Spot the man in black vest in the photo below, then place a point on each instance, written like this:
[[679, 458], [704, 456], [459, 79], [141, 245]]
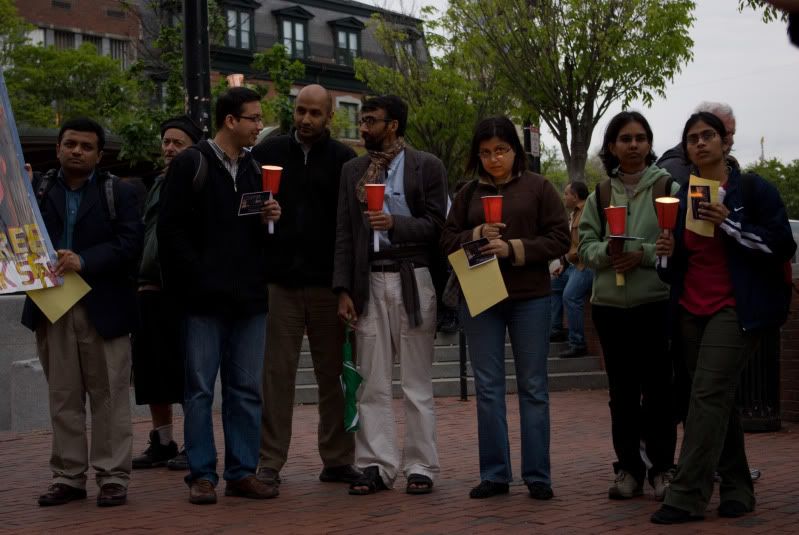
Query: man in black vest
[[300, 267], [87, 351]]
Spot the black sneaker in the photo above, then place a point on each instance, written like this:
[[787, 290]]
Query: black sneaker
[[540, 491], [486, 489], [179, 461], [673, 515], [156, 454], [559, 336], [732, 509]]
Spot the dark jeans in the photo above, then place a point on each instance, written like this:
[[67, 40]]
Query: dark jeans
[[716, 351], [635, 345]]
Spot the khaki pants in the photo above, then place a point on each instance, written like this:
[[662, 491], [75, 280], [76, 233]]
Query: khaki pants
[[383, 334], [76, 361], [292, 312]]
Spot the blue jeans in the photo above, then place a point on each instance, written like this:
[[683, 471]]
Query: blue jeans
[[527, 322], [236, 347], [558, 284], [577, 287]]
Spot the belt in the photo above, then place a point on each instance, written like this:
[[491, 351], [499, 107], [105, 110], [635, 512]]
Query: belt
[[385, 268]]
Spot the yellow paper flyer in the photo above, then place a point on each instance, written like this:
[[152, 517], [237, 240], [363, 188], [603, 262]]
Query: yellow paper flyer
[[482, 286], [55, 302], [700, 190]]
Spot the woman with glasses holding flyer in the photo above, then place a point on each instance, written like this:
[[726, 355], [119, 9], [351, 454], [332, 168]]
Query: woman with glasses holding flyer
[[525, 228], [726, 269], [629, 304]]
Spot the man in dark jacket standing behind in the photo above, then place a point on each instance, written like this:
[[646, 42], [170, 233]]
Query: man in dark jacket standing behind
[[214, 261], [93, 220], [300, 268]]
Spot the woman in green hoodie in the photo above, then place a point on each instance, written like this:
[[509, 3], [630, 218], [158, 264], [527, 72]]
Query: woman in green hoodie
[[631, 315]]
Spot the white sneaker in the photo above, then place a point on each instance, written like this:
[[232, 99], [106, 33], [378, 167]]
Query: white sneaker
[[624, 487], [660, 482]]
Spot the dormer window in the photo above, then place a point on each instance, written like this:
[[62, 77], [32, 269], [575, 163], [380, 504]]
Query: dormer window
[[347, 39], [292, 23]]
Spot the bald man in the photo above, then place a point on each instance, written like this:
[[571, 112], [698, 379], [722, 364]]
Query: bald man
[[300, 275]]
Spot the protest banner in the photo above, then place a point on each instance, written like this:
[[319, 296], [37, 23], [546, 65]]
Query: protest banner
[[26, 252]]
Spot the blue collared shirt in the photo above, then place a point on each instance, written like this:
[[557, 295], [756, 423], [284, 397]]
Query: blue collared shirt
[[73, 200], [395, 202]]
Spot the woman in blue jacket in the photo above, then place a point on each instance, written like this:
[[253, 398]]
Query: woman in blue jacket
[[727, 289]]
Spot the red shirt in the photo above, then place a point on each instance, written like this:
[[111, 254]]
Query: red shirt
[[707, 287]]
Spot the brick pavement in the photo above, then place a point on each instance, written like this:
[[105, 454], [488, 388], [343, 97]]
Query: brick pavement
[[581, 472]]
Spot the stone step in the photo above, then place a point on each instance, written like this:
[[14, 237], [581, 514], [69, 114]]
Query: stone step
[[446, 369], [449, 353], [449, 387]]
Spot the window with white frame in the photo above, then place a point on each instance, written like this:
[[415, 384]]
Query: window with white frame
[[350, 111]]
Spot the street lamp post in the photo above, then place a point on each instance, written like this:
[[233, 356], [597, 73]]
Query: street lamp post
[[197, 62]]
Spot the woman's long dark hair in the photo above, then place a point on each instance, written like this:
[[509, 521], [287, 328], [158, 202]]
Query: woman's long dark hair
[[502, 128], [706, 117], [622, 119]]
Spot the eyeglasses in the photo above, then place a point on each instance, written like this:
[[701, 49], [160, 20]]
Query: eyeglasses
[[370, 121], [705, 135], [254, 118], [499, 151]]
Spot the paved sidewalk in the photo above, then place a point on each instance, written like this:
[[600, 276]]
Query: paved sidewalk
[[581, 461]]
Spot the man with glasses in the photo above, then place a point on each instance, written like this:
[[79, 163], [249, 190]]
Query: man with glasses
[[300, 273], [214, 260], [389, 296]]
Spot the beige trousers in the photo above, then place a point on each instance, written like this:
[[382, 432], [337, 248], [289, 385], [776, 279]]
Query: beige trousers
[[78, 361], [293, 311], [384, 336]]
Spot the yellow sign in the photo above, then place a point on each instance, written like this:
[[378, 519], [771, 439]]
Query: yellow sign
[[55, 302], [700, 190], [482, 286]]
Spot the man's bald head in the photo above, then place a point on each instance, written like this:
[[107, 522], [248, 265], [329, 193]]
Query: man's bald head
[[313, 111]]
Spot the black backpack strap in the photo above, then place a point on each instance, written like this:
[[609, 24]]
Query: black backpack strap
[[46, 182], [201, 174], [602, 194]]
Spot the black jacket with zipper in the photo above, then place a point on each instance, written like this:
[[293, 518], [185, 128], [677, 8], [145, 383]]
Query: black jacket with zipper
[[211, 258], [302, 248]]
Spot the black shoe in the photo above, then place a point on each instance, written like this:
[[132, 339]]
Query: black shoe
[[486, 489], [156, 454], [574, 352], [732, 509], [559, 336], [112, 494], [59, 494], [540, 491], [179, 461], [340, 474], [673, 515]]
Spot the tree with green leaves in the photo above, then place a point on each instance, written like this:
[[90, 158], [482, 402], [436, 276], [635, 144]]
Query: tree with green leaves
[[13, 29], [570, 60], [283, 71], [770, 12], [786, 179], [446, 96]]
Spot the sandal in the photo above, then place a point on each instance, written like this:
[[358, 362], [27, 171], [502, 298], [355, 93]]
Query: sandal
[[370, 479], [424, 484]]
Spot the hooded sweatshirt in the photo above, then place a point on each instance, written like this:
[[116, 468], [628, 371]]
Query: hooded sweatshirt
[[642, 284]]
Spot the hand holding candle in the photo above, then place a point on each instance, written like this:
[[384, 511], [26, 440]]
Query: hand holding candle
[[667, 208], [616, 217], [270, 181], [375, 195]]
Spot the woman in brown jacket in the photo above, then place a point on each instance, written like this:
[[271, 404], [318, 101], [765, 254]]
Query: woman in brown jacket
[[533, 231]]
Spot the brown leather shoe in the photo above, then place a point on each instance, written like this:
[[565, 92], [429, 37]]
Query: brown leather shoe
[[251, 487], [202, 492], [112, 494], [59, 494]]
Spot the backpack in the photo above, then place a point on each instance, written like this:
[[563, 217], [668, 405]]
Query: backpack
[[661, 188], [49, 178], [201, 174]]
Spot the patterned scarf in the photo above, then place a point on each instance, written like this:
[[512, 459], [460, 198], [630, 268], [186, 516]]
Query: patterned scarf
[[380, 161]]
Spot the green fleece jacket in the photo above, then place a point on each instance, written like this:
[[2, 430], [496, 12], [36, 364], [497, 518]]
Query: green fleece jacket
[[642, 284]]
